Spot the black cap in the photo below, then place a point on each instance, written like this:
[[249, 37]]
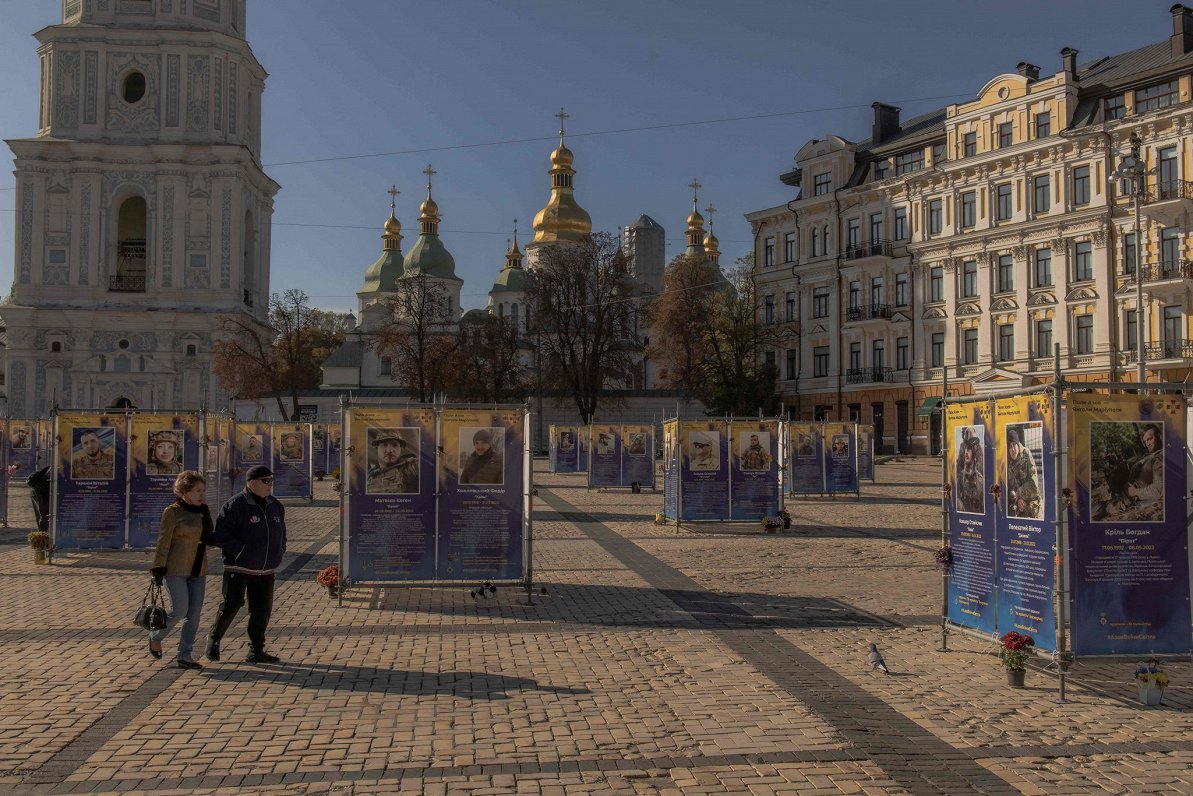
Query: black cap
[[259, 471]]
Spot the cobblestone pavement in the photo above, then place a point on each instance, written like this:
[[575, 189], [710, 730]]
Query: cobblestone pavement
[[662, 660]]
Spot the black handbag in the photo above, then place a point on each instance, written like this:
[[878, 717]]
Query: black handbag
[[152, 613]]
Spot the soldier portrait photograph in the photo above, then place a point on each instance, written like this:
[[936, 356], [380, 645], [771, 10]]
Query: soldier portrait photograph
[[251, 449], [290, 447], [567, 440], [93, 454], [754, 450], [317, 435], [703, 447], [333, 436], [840, 446], [21, 438], [804, 449], [969, 479], [636, 443], [604, 445], [163, 452], [1126, 480], [393, 462], [1025, 456], [482, 455]]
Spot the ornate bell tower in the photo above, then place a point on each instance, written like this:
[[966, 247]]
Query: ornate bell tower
[[142, 212]]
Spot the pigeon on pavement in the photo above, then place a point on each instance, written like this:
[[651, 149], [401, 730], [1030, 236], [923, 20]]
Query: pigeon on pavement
[[876, 661]]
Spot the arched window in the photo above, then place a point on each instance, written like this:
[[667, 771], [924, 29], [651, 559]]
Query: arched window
[[514, 314], [190, 350], [129, 276], [386, 366], [55, 347]]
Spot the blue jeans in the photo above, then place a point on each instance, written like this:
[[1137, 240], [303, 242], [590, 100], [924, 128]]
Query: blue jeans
[[186, 601]]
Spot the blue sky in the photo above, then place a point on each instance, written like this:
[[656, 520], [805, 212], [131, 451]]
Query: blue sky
[[359, 77]]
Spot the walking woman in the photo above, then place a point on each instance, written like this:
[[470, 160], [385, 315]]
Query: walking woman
[[180, 561]]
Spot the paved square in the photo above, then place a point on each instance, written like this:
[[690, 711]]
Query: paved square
[[663, 660]]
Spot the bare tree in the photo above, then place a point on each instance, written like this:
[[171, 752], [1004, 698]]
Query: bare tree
[[416, 336], [253, 360], [739, 383], [682, 319], [583, 319], [492, 370]]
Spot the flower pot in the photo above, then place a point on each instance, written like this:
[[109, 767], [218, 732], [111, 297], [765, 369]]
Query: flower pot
[[1150, 694], [1015, 677], [41, 555], [333, 590], [786, 523]]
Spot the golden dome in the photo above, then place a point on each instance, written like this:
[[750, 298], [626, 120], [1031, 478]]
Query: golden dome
[[710, 242], [561, 157], [428, 208], [392, 225], [562, 219], [695, 219]]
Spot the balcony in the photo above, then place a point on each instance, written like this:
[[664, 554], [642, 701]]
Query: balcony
[[867, 375], [1177, 348], [874, 248], [867, 312], [1167, 191], [1161, 272], [127, 283]]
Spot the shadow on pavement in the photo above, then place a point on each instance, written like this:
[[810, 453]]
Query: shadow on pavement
[[370, 679]]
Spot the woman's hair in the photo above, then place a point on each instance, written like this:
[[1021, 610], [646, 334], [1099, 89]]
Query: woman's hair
[[187, 480]]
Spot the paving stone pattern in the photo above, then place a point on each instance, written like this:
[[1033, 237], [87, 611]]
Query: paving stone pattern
[[708, 658]]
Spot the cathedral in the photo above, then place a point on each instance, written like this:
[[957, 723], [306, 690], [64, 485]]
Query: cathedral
[[356, 366], [142, 211]]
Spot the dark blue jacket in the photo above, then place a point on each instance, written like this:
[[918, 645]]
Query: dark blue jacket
[[252, 536]]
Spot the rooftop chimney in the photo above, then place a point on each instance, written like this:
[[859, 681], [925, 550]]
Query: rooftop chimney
[[1068, 60], [886, 122], [1182, 30], [1030, 71]]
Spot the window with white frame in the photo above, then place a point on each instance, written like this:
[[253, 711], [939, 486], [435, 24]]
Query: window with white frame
[[822, 183]]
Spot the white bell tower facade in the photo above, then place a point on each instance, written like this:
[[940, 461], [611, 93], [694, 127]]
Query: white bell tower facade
[[142, 212]]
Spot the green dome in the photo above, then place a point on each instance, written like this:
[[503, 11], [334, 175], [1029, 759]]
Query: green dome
[[381, 275], [511, 280], [429, 256]]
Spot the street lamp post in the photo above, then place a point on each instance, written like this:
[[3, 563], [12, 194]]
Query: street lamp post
[[1133, 171]]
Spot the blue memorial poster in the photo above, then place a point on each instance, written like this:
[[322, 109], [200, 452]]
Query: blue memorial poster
[[319, 463], [865, 452], [92, 479], [291, 460], [1129, 558], [807, 458], [1026, 537], [670, 468], [22, 442], [390, 494], [755, 469], [704, 470], [481, 507], [335, 433], [969, 462], [252, 445], [584, 449], [606, 456], [5, 476], [567, 449], [840, 458], [637, 456], [162, 447], [223, 431]]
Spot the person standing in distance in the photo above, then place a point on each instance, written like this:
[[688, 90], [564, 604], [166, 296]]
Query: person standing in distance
[[251, 530]]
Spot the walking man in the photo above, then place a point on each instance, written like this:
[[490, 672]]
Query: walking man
[[251, 531]]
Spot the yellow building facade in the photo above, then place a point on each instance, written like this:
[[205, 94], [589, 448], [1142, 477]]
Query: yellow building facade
[[972, 241]]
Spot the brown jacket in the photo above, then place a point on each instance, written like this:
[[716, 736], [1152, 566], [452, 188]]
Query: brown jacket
[[178, 541]]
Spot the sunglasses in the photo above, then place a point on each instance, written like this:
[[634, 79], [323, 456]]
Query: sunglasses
[[264, 480]]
